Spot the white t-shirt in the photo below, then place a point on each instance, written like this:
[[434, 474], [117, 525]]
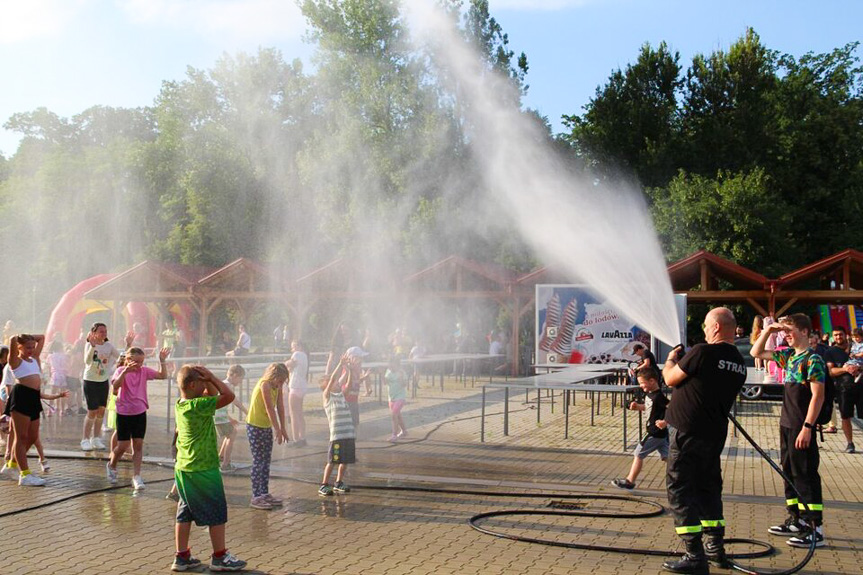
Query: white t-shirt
[[99, 361], [245, 340], [300, 372]]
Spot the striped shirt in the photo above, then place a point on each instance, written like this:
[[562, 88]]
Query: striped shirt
[[339, 416]]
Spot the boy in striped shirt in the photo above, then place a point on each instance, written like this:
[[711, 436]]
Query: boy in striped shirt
[[342, 451]]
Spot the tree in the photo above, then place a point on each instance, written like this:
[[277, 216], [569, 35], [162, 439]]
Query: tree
[[733, 215], [632, 120]]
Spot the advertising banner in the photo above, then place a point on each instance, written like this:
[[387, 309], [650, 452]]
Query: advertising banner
[[573, 326]]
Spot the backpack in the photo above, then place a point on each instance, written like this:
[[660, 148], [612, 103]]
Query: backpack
[[826, 413]]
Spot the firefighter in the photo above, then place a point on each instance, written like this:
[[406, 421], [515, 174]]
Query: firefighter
[[706, 382]]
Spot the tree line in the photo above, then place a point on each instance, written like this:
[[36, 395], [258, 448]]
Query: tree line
[[747, 153]]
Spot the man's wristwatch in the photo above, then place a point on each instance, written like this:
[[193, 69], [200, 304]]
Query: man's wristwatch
[[808, 425]]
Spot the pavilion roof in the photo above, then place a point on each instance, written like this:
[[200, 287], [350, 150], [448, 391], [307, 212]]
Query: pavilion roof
[[458, 274], [702, 269], [845, 268], [149, 281]]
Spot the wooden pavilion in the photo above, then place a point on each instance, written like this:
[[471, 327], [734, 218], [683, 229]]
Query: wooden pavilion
[[243, 284]]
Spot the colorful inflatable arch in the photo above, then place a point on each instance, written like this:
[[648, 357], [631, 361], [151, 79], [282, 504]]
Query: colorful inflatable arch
[[68, 315]]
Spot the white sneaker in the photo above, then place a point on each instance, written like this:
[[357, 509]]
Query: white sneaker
[[97, 443], [31, 480], [86, 445], [43, 463], [110, 474], [137, 482], [9, 473]]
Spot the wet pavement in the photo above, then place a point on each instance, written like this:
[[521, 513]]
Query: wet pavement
[[79, 524]]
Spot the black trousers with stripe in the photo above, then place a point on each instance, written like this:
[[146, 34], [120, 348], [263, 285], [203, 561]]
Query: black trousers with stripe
[[693, 480], [801, 466]]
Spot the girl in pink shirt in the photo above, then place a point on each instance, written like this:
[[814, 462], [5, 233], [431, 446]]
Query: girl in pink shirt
[[130, 386]]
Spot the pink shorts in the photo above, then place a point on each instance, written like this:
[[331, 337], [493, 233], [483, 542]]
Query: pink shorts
[[397, 405]]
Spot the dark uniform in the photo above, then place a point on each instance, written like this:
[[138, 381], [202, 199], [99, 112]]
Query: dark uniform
[[698, 425]]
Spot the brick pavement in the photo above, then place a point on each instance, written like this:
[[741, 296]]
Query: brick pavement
[[394, 532]]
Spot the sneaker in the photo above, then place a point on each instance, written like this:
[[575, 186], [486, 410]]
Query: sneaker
[[274, 501], [9, 473], [173, 496], [110, 474], [137, 482], [402, 434], [393, 438], [86, 445], [792, 526], [182, 564], [226, 562], [325, 491], [850, 448], [229, 468], [261, 502], [341, 487], [43, 463], [98, 444], [623, 484], [805, 540], [31, 480]]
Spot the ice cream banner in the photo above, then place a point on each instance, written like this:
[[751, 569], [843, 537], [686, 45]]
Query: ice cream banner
[[573, 326]]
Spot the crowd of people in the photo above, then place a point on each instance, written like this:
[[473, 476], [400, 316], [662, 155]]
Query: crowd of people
[[689, 430], [112, 384]]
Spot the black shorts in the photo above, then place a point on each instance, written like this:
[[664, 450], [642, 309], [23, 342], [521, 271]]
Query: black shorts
[[850, 396], [131, 426], [96, 394], [342, 451], [26, 401]]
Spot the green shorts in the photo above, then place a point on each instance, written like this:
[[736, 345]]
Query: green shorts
[[202, 497]]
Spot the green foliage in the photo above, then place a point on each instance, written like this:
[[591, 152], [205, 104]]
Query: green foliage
[[632, 120], [744, 144]]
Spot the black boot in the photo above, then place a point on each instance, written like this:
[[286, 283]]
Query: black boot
[[714, 548], [694, 562]]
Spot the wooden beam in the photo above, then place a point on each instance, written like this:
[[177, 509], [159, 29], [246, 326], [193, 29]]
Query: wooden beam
[[787, 305], [846, 275], [757, 307], [705, 275]]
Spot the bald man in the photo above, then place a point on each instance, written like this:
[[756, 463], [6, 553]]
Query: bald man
[[706, 382]]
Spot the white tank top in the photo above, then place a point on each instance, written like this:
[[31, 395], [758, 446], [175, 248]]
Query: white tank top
[[27, 367]]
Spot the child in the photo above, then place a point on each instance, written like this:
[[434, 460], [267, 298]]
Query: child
[[202, 493], [352, 375], [656, 439], [856, 354], [342, 451], [226, 426], [803, 395], [73, 380], [130, 386], [299, 367], [99, 358], [58, 361], [25, 402], [396, 379], [266, 415]]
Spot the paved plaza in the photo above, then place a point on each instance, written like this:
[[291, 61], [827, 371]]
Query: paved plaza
[[78, 524]]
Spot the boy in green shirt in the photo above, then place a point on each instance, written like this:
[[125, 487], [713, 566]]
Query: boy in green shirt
[[199, 481]]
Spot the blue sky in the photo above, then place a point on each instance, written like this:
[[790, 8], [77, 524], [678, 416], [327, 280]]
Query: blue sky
[[68, 55]]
